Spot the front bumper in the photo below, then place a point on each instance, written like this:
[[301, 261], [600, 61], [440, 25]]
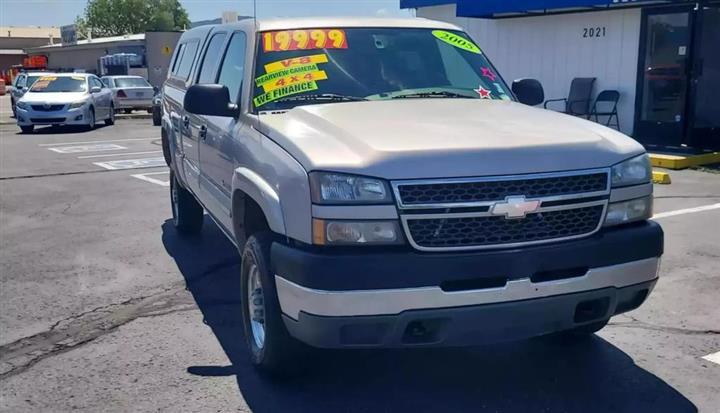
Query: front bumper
[[27, 117], [339, 300]]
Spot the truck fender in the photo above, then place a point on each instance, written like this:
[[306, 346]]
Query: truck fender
[[254, 186]]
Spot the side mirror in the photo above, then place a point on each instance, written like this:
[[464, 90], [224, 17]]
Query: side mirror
[[529, 91], [95, 89], [211, 100]]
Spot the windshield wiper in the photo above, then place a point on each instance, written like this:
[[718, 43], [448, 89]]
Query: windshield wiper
[[321, 97], [432, 94]]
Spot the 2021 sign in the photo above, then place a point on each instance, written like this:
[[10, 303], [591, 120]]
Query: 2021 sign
[[598, 31]]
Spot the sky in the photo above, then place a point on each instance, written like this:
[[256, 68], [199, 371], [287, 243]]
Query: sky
[[61, 12]]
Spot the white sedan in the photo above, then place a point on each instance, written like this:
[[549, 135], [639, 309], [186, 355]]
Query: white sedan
[[65, 99]]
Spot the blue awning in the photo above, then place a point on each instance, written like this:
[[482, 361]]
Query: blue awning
[[501, 8]]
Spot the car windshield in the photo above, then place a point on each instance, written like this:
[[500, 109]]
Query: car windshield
[[312, 66], [131, 82], [59, 84]]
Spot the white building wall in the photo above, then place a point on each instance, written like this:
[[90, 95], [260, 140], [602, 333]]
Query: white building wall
[[553, 50]]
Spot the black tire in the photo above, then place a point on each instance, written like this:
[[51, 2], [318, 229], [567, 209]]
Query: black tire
[[27, 129], [111, 120], [278, 355], [92, 119], [187, 212], [156, 116], [128, 111]]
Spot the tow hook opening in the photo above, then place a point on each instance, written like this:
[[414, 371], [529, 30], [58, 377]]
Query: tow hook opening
[[592, 310], [423, 331]]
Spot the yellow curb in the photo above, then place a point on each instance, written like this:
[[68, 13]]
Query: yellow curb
[[661, 178], [682, 162]]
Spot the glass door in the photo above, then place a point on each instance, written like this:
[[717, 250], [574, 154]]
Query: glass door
[[705, 92], [663, 77]]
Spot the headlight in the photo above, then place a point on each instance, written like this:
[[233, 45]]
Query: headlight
[[21, 105], [334, 188], [632, 172], [629, 211], [356, 232], [76, 105]]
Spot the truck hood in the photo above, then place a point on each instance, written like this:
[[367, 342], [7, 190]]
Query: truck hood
[[53, 97], [441, 138]]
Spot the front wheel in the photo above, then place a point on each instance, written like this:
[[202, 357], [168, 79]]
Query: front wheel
[[27, 129], [187, 212], [111, 117], [91, 119], [272, 350]]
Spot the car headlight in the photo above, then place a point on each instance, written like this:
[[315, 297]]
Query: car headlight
[[21, 105], [634, 171], [76, 105], [629, 211], [330, 232], [335, 188]]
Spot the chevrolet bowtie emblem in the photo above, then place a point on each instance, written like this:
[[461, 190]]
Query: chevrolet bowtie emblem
[[514, 207]]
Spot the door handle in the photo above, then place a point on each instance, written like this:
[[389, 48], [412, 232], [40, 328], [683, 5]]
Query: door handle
[[203, 132]]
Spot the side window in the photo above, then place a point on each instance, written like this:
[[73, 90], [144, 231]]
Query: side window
[[233, 66], [212, 54], [186, 60], [95, 82], [107, 82], [178, 56], [20, 81]]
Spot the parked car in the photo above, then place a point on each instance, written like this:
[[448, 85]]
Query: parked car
[[65, 99], [22, 83], [130, 92], [385, 188]]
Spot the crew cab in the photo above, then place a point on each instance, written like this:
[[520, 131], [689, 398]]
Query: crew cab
[[386, 188]]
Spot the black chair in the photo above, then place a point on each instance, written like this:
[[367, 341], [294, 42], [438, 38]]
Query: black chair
[[608, 100], [578, 101]]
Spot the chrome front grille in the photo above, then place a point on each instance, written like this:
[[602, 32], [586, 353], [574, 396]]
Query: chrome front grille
[[465, 214]]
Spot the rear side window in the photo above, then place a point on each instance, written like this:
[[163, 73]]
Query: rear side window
[[178, 56], [233, 66], [212, 55], [186, 60]]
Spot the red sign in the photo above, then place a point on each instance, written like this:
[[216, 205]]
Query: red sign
[[306, 39]]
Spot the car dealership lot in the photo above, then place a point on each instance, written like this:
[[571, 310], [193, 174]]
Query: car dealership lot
[[104, 307]]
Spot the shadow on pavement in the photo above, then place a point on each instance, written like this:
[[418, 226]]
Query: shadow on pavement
[[542, 374], [61, 129]]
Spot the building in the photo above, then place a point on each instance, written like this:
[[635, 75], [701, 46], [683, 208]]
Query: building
[[153, 49], [14, 41], [662, 56]]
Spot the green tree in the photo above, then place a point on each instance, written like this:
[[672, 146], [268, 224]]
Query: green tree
[[119, 17]]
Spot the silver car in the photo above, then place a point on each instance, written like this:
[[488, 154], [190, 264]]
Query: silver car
[[22, 83], [130, 92], [65, 99]]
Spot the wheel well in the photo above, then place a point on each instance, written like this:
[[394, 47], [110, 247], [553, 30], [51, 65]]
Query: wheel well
[[248, 217]]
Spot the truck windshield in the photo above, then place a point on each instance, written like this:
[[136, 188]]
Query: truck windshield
[[59, 84], [309, 66]]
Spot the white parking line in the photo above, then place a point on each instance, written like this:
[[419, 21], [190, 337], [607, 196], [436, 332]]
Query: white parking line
[[132, 163], [714, 357], [87, 148], [115, 154], [146, 178], [108, 140], [686, 211]]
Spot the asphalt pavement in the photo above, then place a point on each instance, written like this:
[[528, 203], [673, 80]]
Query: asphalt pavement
[[103, 307]]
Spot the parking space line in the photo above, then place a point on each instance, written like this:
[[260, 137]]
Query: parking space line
[[686, 211], [132, 163], [116, 154], [146, 178], [103, 141], [88, 148], [714, 357]]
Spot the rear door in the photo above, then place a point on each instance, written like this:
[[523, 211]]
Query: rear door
[[102, 99], [185, 125]]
